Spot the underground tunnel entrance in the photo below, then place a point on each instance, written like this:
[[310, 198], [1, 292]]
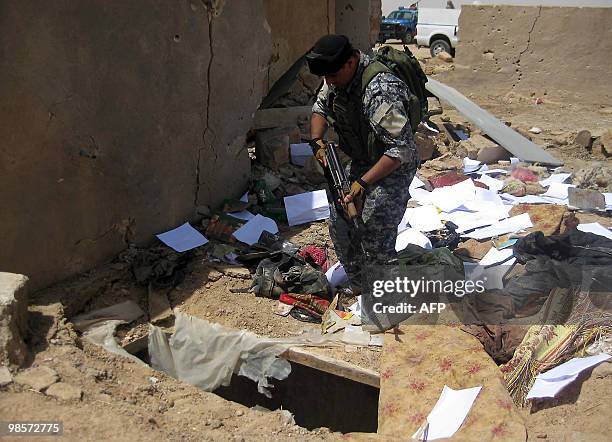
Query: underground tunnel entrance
[[314, 397]]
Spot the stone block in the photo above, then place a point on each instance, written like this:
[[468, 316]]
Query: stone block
[[65, 392], [13, 318], [5, 376], [606, 141], [583, 139], [37, 378]]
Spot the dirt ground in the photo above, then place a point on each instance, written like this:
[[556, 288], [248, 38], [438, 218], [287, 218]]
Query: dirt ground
[[125, 400]]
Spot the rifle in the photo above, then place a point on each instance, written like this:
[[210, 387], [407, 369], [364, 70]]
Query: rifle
[[340, 187]]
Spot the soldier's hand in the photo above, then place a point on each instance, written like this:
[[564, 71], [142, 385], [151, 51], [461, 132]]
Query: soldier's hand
[[318, 148], [357, 193]]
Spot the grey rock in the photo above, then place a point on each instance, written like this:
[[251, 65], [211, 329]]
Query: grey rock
[[5, 376], [64, 391], [583, 139], [37, 378], [13, 318]]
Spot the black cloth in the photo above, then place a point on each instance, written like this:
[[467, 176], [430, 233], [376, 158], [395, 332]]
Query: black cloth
[[573, 260]]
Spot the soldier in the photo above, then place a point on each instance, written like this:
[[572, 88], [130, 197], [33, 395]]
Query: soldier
[[375, 132]]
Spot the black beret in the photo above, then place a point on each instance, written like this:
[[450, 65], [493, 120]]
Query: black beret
[[329, 54]]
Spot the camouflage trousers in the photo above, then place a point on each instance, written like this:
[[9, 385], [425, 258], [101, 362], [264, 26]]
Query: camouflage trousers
[[383, 209]]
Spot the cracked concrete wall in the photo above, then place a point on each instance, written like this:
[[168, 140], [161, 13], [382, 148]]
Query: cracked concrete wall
[[295, 26], [117, 118], [559, 52], [360, 21]]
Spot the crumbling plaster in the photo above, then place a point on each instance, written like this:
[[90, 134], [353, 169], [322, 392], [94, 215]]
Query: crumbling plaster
[[559, 52]]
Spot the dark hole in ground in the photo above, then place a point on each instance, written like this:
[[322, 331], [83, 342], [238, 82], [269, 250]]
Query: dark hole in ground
[[314, 397]]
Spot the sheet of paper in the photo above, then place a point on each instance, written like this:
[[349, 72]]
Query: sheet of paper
[[356, 307], [471, 165], [595, 228], [558, 191], [488, 196], [550, 383], [508, 225], [415, 184], [183, 238], [452, 197], [423, 218], [495, 256], [252, 230], [450, 411], [336, 275], [608, 198], [421, 196], [555, 178], [471, 220], [299, 153], [529, 199], [514, 162], [411, 236], [491, 172], [306, 207], [493, 183], [243, 214], [245, 198]]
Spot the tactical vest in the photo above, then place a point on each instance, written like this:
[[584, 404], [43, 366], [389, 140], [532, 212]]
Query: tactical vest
[[348, 118]]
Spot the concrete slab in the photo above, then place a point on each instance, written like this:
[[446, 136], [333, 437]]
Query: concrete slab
[[511, 140]]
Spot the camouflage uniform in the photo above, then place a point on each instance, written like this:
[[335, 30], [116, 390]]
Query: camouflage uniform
[[385, 201]]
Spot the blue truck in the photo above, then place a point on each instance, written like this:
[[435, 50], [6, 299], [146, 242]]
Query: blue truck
[[400, 25]]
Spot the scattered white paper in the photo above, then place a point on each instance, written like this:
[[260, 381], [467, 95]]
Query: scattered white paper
[[356, 307], [449, 412], [495, 256], [468, 220], [449, 198], [595, 228], [183, 238], [489, 196], [494, 184], [245, 198], [608, 198], [411, 236], [252, 230], [555, 178], [306, 207], [424, 218], [558, 190], [470, 165], [243, 214], [509, 225], [514, 161], [300, 153], [491, 171], [415, 184], [336, 275], [550, 383]]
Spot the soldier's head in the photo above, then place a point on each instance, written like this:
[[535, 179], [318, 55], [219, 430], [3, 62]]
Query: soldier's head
[[334, 58]]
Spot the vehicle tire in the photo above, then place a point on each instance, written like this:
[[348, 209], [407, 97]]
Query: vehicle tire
[[407, 38], [438, 46]]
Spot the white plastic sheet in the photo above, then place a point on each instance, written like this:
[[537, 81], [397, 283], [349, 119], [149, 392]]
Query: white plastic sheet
[[207, 355]]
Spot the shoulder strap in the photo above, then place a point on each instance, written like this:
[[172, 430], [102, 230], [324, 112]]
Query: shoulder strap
[[371, 71]]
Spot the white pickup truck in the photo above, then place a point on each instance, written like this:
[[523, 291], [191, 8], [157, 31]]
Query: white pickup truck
[[437, 29]]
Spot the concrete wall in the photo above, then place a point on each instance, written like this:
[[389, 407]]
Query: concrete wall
[[563, 52], [355, 16], [117, 118]]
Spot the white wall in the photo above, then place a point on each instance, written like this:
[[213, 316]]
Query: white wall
[[390, 5]]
